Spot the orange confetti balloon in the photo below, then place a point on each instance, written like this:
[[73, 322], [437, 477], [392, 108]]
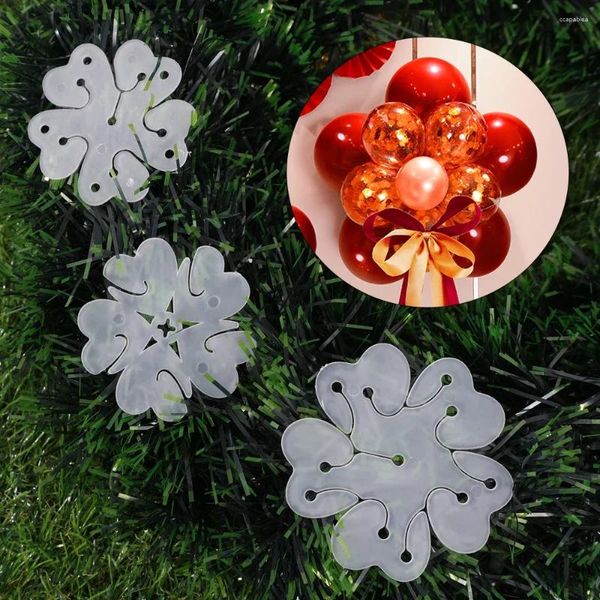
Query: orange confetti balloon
[[455, 134], [393, 134], [480, 185], [368, 189]]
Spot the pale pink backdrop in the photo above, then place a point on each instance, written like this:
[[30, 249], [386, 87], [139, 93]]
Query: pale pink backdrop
[[533, 212]]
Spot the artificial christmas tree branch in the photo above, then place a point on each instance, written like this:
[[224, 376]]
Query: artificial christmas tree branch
[[197, 507]]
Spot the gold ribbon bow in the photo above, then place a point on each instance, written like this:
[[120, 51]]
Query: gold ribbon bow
[[424, 251]]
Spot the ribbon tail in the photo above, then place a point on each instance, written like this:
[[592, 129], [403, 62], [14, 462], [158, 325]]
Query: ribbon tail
[[437, 285], [402, 299], [415, 279], [449, 291]]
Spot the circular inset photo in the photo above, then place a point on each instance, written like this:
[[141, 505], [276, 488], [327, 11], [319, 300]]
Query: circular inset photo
[[427, 172]]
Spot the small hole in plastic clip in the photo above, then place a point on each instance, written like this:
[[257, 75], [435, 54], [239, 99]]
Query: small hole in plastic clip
[[490, 483], [169, 153], [462, 497], [336, 386], [406, 556], [95, 187], [202, 367], [62, 141], [87, 60], [398, 459], [383, 533], [45, 129], [112, 120], [451, 411], [213, 302], [161, 132], [325, 467], [81, 82], [164, 74], [446, 379], [368, 392], [310, 495], [119, 318], [141, 76]]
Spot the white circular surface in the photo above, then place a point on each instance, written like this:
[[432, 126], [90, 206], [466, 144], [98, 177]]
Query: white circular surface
[[533, 212]]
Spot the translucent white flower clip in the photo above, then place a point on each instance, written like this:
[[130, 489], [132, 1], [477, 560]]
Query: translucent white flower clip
[[397, 461], [112, 123], [167, 328]]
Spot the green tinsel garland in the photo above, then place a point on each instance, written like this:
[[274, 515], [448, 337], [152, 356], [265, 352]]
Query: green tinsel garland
[[201, 502]]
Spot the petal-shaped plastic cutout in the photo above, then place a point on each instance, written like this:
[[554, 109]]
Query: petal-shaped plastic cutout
[[156, 380], [211, 353], [147, 280], [70, 86], [496, 478], [328, 447], [324, 442], [474, 420], [433, 378], [356, 543], [173, 119], [478, 421], [362, 539], [95, 184], [62, 150], [133, 62], [379, 379], [104, 122], [205, 288], [131, 175], [461, 518], [114, 332]]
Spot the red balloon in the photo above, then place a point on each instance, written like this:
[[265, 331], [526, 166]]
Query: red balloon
[[306, 227], [510, 152], [424, 82], [489, 242], [339, 148], [356, 250]]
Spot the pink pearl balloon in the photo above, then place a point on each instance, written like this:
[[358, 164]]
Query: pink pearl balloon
[[422, 183]]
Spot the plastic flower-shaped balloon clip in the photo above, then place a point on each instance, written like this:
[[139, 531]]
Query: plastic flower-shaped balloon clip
[[167, 328], [397, 461], [426, 145], [112, 123]]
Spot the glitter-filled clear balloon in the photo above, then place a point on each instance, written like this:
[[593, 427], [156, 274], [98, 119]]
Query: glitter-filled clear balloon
[[455, 134], [393, 134], [479, 184], [368, 189]]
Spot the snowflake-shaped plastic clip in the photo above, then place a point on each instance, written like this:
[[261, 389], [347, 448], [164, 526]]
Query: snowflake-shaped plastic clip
[[112, 122], [398, 460], [167, 328]]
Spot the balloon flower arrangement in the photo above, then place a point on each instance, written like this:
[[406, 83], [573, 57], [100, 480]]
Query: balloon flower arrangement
[[420, 179]]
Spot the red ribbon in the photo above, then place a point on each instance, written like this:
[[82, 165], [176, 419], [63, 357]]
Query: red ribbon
[[400, 219]]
